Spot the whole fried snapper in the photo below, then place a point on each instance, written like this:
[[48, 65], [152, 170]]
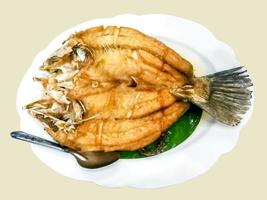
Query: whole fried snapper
[[116, 88]]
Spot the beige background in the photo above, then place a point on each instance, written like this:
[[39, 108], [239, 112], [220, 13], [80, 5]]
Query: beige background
[[28, 26]]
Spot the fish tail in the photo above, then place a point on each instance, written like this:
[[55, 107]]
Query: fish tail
[[224, 95]]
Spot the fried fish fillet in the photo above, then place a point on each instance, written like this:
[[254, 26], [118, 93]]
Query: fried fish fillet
[[121, 134], [108, 89]]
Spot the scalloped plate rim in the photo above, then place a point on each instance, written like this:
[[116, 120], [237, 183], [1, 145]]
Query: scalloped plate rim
[[176, 152]]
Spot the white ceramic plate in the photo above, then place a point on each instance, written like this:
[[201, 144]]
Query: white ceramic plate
[[190, 159]]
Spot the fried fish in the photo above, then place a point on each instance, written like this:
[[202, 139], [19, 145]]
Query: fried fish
[[115, 88]]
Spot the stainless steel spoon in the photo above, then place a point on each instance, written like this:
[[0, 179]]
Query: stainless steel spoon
[[92, 159]]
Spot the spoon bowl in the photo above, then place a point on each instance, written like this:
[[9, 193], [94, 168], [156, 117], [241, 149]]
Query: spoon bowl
[[95, 159]]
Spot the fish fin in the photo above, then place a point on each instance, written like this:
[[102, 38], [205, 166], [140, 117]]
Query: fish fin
[[224, 95]]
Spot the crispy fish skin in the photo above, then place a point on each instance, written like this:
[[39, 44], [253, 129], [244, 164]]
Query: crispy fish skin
[[129, 134], [108, 89], [128, 103], [112, 66], [128, 38]]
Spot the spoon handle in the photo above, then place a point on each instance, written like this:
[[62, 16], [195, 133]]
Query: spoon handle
[[20, 135]]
